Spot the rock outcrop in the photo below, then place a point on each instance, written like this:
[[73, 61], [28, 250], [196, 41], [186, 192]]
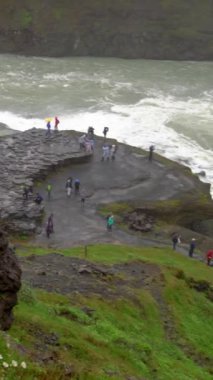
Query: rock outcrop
[[5, 130], [139, 221], [24, 158], [153, 29], [10, 282]]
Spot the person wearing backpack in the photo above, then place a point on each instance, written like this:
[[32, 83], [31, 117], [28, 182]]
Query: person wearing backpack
[[110, 222], [38, 199], [175, 241], [77, 186]]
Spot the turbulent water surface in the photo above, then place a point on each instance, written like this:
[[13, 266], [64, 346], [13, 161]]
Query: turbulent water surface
[[168, 104]]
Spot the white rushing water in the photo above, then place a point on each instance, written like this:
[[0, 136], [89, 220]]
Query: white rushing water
[[168, 104]]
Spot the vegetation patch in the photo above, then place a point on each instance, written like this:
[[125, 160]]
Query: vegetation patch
[[153, 324], [188, 212], [25, 18]]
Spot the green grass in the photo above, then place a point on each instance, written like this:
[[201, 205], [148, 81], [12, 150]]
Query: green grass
[[120, 338], [111, 254]]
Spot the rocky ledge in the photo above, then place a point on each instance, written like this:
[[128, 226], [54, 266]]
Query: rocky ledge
[[10, 282], [24, 158]]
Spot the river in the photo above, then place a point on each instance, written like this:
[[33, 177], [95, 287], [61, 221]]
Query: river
[[164, 103]]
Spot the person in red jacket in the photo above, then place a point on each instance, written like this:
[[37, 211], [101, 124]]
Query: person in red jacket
[[56, 124], [209, 256]]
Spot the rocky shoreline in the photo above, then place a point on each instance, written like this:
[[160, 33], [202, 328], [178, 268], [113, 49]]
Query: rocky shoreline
[[24, 158]]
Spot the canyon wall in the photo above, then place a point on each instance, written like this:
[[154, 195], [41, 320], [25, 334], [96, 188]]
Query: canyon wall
[[151, 29]]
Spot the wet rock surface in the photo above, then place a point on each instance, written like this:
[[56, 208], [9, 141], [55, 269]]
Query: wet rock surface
[[24, 158], [10, 282], [130, 177], [28, 158]]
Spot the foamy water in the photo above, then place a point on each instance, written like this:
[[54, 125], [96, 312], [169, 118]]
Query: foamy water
[[167, 104]]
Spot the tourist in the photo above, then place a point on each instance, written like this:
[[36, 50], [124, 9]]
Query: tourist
[[49, 191], [48, 133], [69, 186], [90, 132], [56, 124], [209, 257], [105, 152], [105, 131], [92, 143], [82, 140], [38, 199], [151, 150], [49, 226], [77, 186], [192, 247], [113, 150], [69, 180], [82, 201], [175, 240], [25, 193], [88, 146], [110, 222]]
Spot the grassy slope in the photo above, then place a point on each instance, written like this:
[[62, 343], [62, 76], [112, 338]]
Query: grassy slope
[[121, 338]]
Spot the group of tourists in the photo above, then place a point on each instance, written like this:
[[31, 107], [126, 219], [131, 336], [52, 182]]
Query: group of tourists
[[28, 193], [108, 152], [49, 126], [70, 184], [176, 239], [87, 144]]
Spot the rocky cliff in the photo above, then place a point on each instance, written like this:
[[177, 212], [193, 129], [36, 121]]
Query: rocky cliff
[[25, 158], [10, 282], [153, 29]]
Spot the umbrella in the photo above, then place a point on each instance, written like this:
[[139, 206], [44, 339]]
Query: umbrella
[[48, 119]]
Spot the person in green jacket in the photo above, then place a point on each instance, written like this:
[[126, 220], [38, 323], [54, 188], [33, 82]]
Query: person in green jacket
[[110, 222]]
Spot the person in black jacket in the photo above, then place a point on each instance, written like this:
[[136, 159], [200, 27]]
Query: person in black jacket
[[105, 131], [192, 246]]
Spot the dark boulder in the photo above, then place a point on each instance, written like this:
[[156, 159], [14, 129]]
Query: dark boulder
[[202, 173], [10, 282], [139, 221]]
